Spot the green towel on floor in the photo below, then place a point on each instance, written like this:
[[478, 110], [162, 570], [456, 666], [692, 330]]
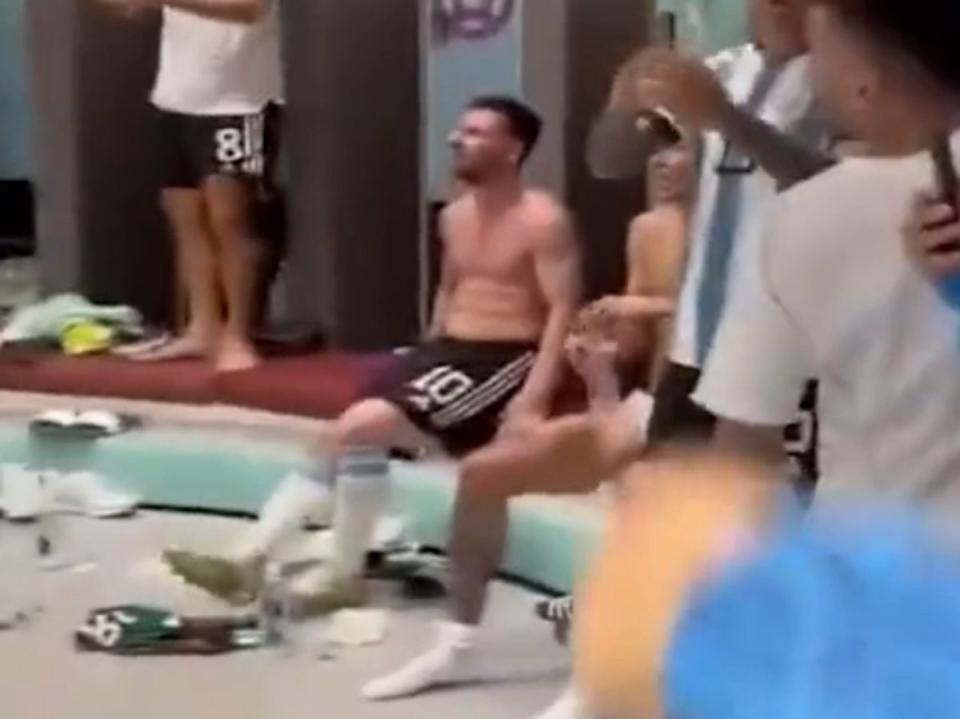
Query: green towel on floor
[[51, 319]]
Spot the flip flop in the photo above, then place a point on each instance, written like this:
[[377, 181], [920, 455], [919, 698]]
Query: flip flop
[[143, 346], [170, 351], [92, 424]]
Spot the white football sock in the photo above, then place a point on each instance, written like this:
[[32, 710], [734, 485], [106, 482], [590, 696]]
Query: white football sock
[[570, 705], [363, 492], [450, 660], [286, 509]]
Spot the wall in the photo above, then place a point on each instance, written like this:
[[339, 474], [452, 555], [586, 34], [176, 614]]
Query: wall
[[15, 156], [459, 66], [355, 199], [709, 25]]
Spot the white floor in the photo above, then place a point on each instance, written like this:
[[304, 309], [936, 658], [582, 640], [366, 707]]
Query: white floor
[[42, 677]]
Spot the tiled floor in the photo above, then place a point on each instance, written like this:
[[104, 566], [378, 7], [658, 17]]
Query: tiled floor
[[42, 676]]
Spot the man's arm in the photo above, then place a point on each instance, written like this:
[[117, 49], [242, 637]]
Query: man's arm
[[242, 11], [557, 266], [783, 157], [692, 91]]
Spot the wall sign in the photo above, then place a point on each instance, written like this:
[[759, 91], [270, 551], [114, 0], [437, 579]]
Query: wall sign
[[471, 20]]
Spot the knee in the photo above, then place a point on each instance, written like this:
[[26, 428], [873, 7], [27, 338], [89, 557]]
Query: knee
[[476, 484], [231, 227], [364, 424]]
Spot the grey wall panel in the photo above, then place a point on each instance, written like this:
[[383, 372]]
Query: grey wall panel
[[126, 252], [544, 71], [99, 228], [354, 135], [52, 24]]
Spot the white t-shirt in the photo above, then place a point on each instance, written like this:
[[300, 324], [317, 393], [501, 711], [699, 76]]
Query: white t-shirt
[[839, 300], [788, 102], [218, 67]]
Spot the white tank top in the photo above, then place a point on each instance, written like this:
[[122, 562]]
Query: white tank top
[[218, 67]]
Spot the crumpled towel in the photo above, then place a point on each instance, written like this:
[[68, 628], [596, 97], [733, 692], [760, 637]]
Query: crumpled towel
[[50, 319], [357, 627]]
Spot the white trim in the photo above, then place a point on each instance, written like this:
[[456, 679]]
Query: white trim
[[500, 384]]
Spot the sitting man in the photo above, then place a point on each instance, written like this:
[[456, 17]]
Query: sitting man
[[530, 463], [508, 291], [574, 454]]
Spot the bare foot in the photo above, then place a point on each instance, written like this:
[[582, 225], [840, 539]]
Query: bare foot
[[236, 356], [186, 347]]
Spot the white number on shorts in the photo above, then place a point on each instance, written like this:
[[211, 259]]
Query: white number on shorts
[[229, 145], [439, 387]]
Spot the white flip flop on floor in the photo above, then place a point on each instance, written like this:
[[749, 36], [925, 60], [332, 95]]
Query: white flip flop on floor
[[89, 423]]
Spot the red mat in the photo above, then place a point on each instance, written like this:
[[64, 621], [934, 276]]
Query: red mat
[[316, 385]]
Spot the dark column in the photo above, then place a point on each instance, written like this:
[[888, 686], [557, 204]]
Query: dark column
[[600, 35], [50, 25], [354, 136]]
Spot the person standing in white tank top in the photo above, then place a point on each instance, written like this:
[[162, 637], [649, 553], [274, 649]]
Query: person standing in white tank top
[[218, 92]]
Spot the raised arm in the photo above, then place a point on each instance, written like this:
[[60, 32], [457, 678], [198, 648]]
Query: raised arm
[[242, 11], [693, 92], [557, 266]]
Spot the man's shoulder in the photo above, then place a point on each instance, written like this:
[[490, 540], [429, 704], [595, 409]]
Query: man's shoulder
[[542, 209], [655, 223], [857, 203], [854, 184], [541, 203]]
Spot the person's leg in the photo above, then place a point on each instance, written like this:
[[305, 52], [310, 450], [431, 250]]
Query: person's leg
[[230, 202], [567, 456], [346, 468], [194, 252]]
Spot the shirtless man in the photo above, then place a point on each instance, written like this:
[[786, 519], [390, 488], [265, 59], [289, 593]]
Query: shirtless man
[[508, 291], [531, 463], [218, 94]]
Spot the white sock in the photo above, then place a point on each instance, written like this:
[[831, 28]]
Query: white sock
[[285, 510], [570, 705], [363, 491], [450, 660]]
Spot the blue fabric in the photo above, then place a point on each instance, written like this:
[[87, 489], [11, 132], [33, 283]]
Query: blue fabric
[[712, 295], [949, 288], [725, 225], [861, 622]]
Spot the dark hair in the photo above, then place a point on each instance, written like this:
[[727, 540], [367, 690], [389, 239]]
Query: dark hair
[[923, 29], [523, 122]]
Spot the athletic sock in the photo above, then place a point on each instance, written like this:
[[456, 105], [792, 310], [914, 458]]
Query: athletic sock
[[450, 660], [570, 705], [296, 496], [363, 492]]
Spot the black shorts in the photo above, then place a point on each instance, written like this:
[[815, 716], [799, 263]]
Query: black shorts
[[803, 439], [195, 147], [456, 391], [678, 419]]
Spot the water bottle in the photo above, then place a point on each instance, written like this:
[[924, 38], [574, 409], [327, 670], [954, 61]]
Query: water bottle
[[276, 610]]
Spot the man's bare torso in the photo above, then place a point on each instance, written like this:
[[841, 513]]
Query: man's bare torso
[[496, 294]]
